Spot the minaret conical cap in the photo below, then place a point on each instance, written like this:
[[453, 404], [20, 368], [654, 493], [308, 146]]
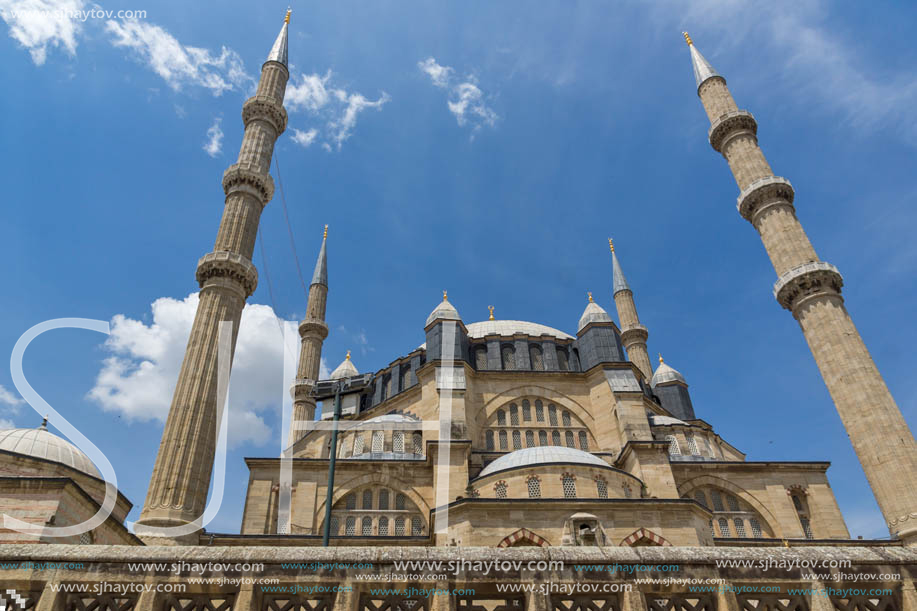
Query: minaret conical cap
[[345, 370], [702, 68], [320, 276], [618, 281], [279, 50]]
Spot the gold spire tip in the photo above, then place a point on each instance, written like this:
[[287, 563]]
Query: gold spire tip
[[660, 359], [347, 358], [325, 236], [590, 296], [611, 245], [287, 18], [491, 308], [688, 38], [445, 296]]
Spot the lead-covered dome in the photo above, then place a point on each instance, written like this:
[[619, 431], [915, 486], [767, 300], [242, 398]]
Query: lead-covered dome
[[541, 456], [593, 313], [509, 328], [345, 370], [444, 311], [40, 443], [664, 374]]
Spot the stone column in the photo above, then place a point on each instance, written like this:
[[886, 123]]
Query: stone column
[[811, 290], [182, 473]]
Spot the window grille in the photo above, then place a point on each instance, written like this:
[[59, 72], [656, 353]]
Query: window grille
[[562, 360], [335, 525], [628, 493], [542, 438], [797, 503], [350, 501], [807, 528], [358, 444], [674, 450], [717, 500], [86, 539], [517, 440], [537, 358], [701, 498], [569, 486], [418, 443], [399, 501], [740, 527], [480, 357], [583, 441], [709, 447], [509, 358], [366, 529], [489, 435], [732, 502], [555, 438], [552, 415], [501, 417], [502, 440], [383, 526], [383, 498], [601, 487], [399, 527], [539, 411], [398, 442], [416, 526], [569, 437], [367, 499], [692, 445], [350, 526], [565, 418], [526, 411], [529, 439], [500, 490], [378, 440], [712, 532], [755, 528], [534, 488], [514, 415], [724, 527]]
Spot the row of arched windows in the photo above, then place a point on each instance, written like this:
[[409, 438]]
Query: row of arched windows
[[725, 522], [568, 486], [398, 442], [381, 526], [399, 516], [692, 447], [501, 441], [508, 360]]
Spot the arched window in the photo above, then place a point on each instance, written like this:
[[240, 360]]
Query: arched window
[[489, 436], [755, 527], [399, 501], [526, 411], [529, 439], [797, 503], [350, 501], [562, 360], [732, 502], [367, 499], [555, 438], [416, 526], [386, 388], [399, 526], [707, 445], [350, 526], [398, 442], [501, 417], [500, 490], [378, 440], [692, 444], [806, 528], [569, 437], [710, 524], [383, 526], [536, 357], [583, 441], [565, 418], [534, 486], [335, 525], [724, 527], [717, 501], [502, 440], [552, 415], [628, 493], [405, 377], [539, 411], [701, 498], [366, 529], [418, 443], [674, 450], [358, 444], [740, 527], [517, 440], [383, 498], [542, 438], [513, 415], [480, 357], [569, 485], [601, 488], [508, 357]]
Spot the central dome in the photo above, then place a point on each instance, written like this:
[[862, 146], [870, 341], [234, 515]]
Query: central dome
[[540, 456], [508, 328], [40, 443]]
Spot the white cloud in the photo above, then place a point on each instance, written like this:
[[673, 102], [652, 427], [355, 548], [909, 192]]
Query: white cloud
[[178, 64], [466, 100], [38, 25], [333, 106], [304, 138], [8, 398], [138, 379], [214, 144], [7, 424]]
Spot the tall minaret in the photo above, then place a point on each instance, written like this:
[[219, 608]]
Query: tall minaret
[[312, 332], [811, 290], [181, 476], [633, 334]]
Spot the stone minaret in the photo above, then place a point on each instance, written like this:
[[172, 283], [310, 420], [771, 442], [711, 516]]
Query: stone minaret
[[312, 332], [181, 476], [811, 290], [633, 334]]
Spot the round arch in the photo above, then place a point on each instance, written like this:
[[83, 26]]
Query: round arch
[[378, 479], [523, 534], [643, 536], [688, 487]]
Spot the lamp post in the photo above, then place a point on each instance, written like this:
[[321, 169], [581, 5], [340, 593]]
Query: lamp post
[[326, 535]]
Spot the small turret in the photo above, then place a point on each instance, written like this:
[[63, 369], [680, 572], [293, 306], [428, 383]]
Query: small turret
[[672, 389]]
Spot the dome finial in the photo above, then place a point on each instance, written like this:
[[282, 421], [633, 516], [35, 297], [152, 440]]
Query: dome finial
[[611, 245], [688, 38], [445, 295], [325, 235], [660, 359], [347, 358], [287, 18], [44, 422], [491, 308], [590, 296]]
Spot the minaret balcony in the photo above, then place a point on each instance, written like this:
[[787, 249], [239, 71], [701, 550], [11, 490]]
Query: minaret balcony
[[730, 125], [239, 178], [807, 280], [762, 194], [265, 108], [229, 265]]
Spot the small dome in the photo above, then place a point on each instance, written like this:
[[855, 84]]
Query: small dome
[[539, 456], [40, 443], [444, 311], [509, 328], [664, 374], [592, 313], [345, 369]]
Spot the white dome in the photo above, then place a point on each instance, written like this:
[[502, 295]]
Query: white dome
[[393, 418], [508, 328], [592, 313], [345, 370], [39, 443], [444, 311], [539, 456], [664, 374]]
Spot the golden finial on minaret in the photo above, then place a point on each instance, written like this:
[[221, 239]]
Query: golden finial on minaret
[[347, 358], [287, 18], [611, 245], [688, 38], [491, 308], [660, 359], [445, 296], [325, 235], [590, 296]]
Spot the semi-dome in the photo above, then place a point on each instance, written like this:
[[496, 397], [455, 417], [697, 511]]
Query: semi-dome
[[540, 456], [508, 328], [444, 311], [592, 313], [345, 369], [40, 443], [664, 374]]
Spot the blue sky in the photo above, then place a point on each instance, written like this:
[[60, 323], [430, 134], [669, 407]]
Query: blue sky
[[485, 148]]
